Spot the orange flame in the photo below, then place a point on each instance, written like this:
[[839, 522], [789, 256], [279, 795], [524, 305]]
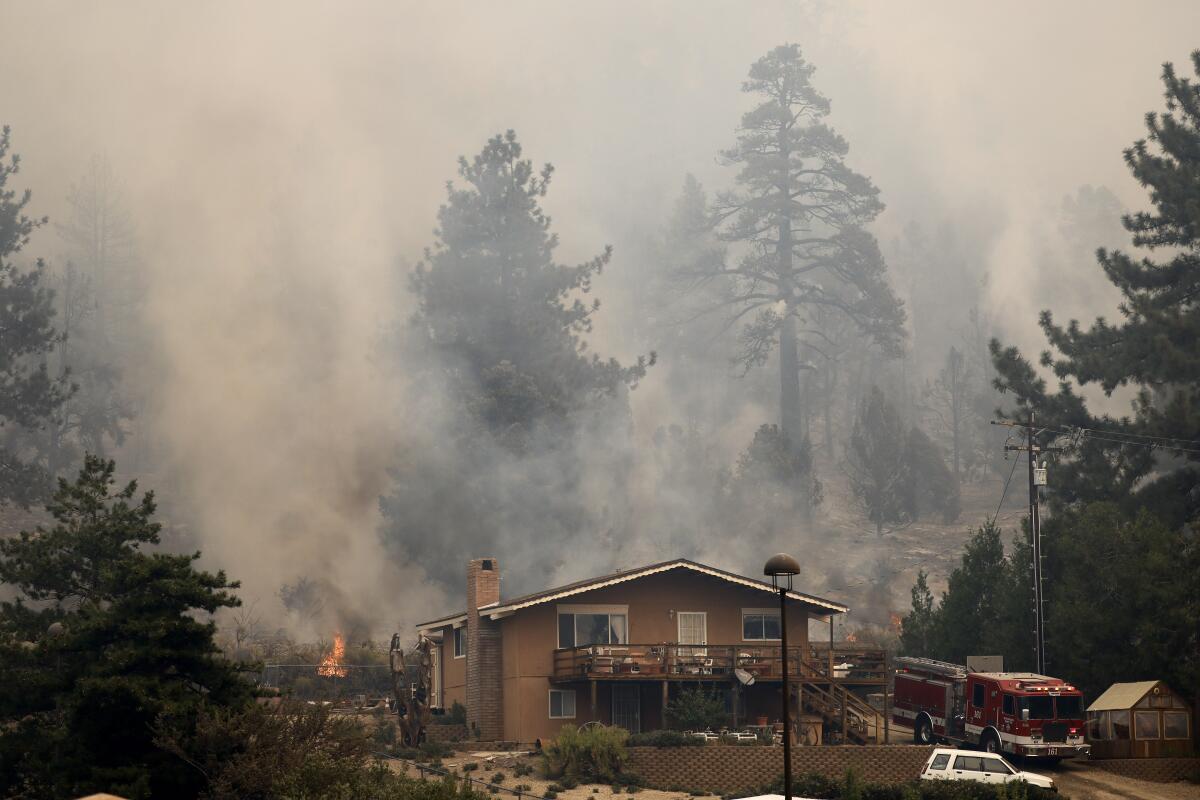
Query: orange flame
[[851, 637], [331, 665], [897, 623]]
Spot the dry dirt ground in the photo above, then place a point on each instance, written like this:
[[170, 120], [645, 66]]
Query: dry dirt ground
[[1077, 781], [490, 763], [1081, 781]]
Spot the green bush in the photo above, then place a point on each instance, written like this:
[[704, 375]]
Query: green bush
[[594, 754], [498, 777], [470, 766], [457, 715], [694, 709], [665, 738], [521, 770], [852, 787], [435, 749]]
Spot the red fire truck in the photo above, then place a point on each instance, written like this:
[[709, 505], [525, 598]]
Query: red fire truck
[[1019, 713]]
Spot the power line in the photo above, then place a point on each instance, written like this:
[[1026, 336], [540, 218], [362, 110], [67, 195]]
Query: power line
[[1004, 494]]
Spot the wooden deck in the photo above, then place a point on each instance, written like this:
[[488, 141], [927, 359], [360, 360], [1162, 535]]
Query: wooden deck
[[849, 665]]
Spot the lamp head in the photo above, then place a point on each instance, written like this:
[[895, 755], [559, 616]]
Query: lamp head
[[781, 565]]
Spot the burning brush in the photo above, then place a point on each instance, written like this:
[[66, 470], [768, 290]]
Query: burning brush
[[331, 665]]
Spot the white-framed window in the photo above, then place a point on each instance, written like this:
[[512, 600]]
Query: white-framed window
[[760, 625], [562, 704], [583, 625], [460, 642]]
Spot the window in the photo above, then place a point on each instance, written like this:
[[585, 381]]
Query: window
[[562, 704], [973, 763], [579, 628], [995, 765], [1175, 725], [1120, 724], [940, 761], [1145, 724], [1097, 726], [1068, 707], [760, 625], [977, 696], [460, 642], [1009, 706], [1040, 706]]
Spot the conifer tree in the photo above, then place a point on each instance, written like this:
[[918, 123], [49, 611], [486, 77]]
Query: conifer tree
[[29, 395], [798, 220], [1152, 347], [507, 319]]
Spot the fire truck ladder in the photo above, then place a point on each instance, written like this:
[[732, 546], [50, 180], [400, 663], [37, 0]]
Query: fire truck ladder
[[932, 666]]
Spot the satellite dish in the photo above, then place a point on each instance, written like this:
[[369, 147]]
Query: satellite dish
[[744, 677]]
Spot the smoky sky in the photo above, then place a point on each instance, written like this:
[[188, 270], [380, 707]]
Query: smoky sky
[[283, 164]]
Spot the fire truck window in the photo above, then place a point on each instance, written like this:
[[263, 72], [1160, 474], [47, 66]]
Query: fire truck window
[[1120, 724], [1040, 706], [1008, 705], [1146, 724], [940, 761], [977, 698], [973, 763], [1069, 707]]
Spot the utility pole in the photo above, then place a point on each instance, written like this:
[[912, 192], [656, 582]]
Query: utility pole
[[1037, 477]]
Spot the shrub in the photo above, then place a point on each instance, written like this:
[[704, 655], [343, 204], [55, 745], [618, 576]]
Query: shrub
[[523, 788], [435, 749], [852, 787], [696, 709], [470, 766], [593, 754], [457, 715], [665, 738], [521, 770], [498, 777]]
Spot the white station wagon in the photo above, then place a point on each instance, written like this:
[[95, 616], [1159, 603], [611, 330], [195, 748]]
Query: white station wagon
[[971, 765]]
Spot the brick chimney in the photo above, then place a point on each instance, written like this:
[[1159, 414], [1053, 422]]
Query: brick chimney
[[485, 688]]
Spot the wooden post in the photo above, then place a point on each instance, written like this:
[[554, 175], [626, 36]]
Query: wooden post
[[665, 698], [887, 712], [736, 691], [831, 651], [845, 738], [594, 703]]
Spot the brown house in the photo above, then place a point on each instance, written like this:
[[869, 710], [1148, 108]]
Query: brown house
[[1139, 720], [615, 648]]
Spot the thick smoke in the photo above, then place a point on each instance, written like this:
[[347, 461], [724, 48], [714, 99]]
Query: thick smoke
[[283, 164]]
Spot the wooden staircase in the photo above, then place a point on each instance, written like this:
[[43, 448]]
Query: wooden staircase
[[836, 705]]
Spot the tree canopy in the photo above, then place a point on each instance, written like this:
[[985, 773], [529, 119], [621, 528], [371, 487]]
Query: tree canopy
[[798, 218], [1151, 349], [104, 643], [29, 394]]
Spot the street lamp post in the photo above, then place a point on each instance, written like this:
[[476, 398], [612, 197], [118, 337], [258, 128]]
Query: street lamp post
[[781, 567]]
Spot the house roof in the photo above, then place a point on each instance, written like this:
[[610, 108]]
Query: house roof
[[1120, 696], [508, 607]]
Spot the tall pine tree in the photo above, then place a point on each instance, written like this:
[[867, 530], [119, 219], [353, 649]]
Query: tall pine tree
[[798, 220], [29, 395], [1152, 348]]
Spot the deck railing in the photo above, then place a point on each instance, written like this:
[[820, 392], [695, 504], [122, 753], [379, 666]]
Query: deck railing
[[707, 662]]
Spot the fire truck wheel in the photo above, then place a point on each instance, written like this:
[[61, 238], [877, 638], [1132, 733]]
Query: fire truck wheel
[[991, 742], [923, 732]]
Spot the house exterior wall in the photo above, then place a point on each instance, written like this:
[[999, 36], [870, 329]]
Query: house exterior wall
[[454, 671], [530, 637]]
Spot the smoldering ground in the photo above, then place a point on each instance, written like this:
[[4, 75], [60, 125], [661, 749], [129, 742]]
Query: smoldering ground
[[283, 163]]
